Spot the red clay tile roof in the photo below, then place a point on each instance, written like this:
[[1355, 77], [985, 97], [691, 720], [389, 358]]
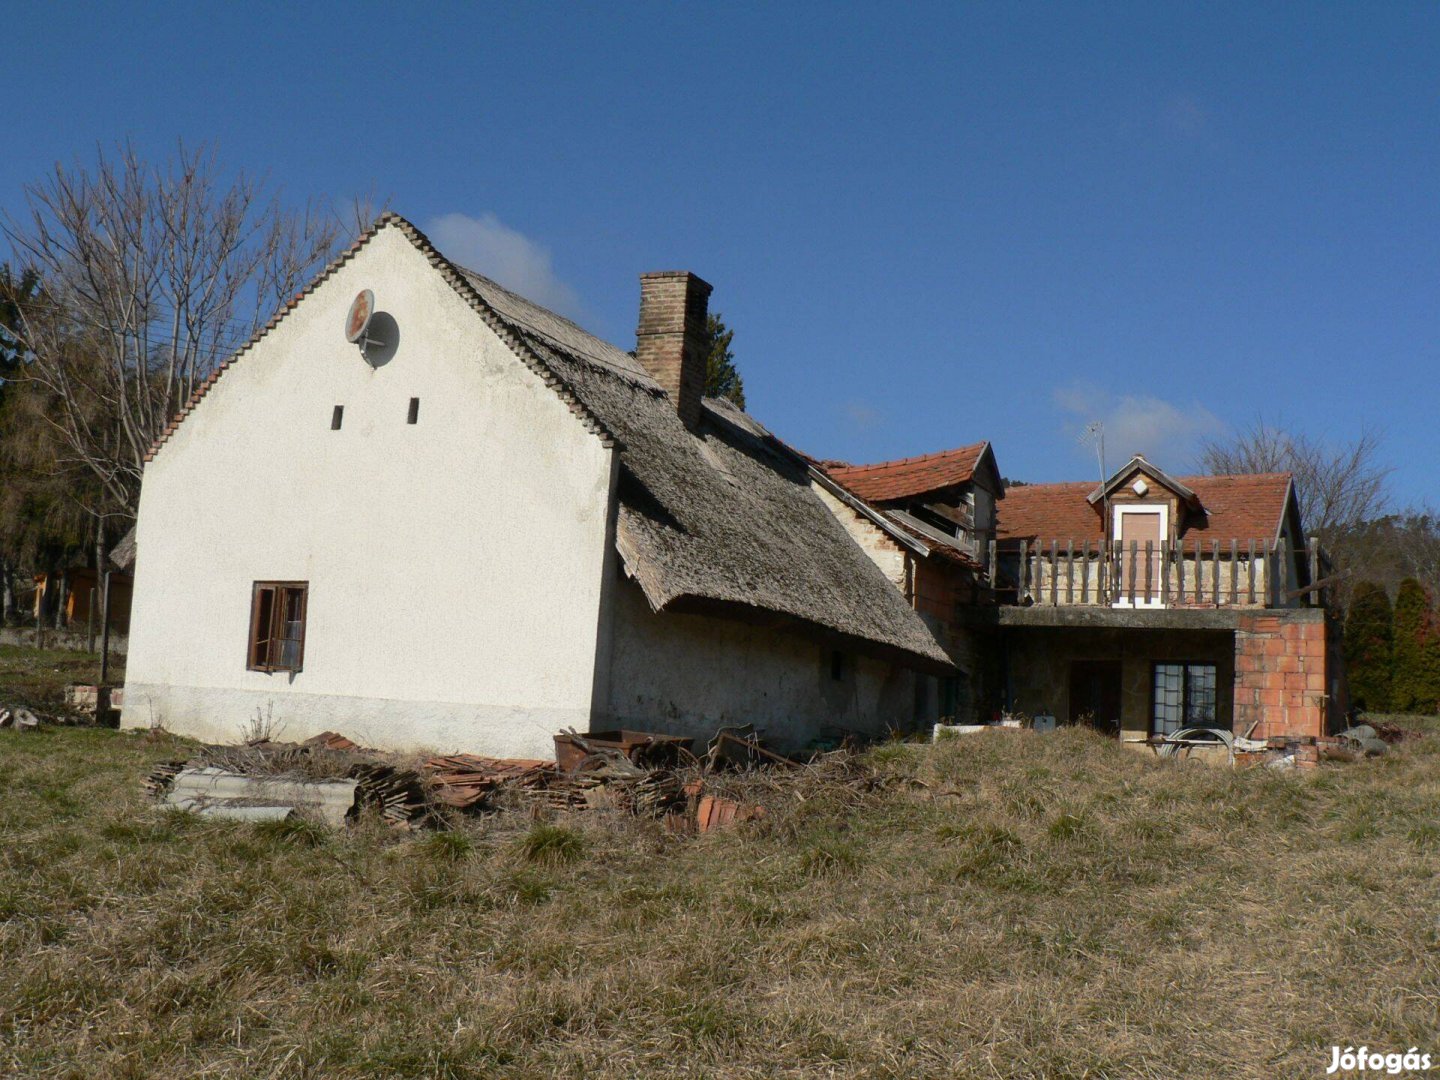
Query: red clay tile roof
[[900, 479], [1236, 507]]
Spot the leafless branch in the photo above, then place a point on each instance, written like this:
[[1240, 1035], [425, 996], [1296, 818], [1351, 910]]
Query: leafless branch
[[151, 276]]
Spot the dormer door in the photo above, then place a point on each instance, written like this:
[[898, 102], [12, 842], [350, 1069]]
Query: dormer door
[[1135, 526]]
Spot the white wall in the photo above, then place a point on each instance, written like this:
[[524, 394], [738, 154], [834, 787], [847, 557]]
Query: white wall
[[455, 566], [690, 674]]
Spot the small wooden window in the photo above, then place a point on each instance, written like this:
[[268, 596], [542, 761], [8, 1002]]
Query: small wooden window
[[277, 626], [337, 417], [414, 415]]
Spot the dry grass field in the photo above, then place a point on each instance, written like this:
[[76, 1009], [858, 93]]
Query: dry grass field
[[1044, 906]]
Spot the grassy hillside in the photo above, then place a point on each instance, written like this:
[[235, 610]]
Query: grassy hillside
[[1042, 906]]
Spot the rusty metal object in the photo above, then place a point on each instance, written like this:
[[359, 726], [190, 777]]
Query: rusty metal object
[[1394, 733]]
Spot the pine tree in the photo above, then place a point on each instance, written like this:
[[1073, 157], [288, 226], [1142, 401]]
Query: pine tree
[[1369, 635], [1416, 680], [722, 380]]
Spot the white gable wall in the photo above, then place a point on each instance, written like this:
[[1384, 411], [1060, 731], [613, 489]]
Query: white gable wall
[[454, 566]]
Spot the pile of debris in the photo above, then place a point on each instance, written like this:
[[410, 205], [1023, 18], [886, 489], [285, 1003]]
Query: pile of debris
[[1392, 733], [328, 777], [1283, 751], [467, 781], [19, 719], [335, 780]]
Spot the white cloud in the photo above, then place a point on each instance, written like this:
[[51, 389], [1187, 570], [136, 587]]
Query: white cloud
[[1166, 433], [488, 245]]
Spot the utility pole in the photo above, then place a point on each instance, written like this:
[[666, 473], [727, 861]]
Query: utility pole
[[105, 632]]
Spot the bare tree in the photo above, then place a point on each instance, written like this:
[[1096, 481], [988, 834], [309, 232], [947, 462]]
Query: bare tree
[[150, 276], [1405, 544], [1420, 546], [1341, 486]]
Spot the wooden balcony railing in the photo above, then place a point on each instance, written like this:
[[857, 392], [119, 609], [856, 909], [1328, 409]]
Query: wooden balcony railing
[[1188, 573]]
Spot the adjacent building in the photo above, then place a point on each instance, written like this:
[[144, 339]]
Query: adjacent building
[[1151, 603], [928, 523]]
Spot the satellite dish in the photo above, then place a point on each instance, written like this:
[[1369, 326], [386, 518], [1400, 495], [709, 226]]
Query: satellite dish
[[362, 310], [376, 332]]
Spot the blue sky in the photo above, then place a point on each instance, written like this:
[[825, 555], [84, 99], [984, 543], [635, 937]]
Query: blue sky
[[927, 225]]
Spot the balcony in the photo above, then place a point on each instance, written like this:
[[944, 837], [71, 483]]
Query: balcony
[[1188, 574]]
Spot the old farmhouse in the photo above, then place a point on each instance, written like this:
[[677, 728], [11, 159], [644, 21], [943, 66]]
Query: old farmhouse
[[424, 511], [477, 524]]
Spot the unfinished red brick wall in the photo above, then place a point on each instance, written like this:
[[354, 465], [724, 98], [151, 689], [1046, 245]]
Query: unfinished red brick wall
[[1281, 674]]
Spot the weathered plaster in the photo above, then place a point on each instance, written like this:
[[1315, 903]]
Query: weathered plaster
[[690, 674]]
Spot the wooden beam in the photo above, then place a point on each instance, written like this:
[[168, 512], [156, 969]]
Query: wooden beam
[[1282, 570], [1317, 586], [1250, 576], [1215, 572], [1267, 584], [1234, 570], [1069, 571], [949, 513], [1054, 581], [1167, 559], [1149, 570], [1134, 557]]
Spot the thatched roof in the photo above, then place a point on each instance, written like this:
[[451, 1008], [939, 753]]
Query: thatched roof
[[722, 519]]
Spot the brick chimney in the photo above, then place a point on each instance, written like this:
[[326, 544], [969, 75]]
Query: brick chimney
[[670, 340]]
